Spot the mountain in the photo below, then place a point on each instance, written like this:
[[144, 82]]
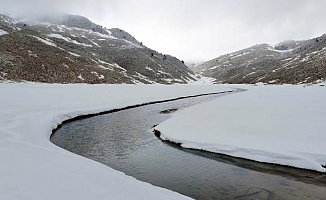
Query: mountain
[[290, 62], [72, 49]]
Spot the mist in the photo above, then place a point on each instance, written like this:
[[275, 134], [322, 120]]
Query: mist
[[191, 30]]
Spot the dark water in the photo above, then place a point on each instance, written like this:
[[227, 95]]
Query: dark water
[[122, 140]]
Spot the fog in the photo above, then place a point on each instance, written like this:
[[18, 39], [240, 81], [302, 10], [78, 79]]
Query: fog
[[192, 30]]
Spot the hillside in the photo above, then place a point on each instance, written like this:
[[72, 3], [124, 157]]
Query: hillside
[[290, 62], [72, 49]]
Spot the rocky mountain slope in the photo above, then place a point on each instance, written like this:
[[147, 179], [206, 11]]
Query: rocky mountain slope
[[72, 49], [287, 62]]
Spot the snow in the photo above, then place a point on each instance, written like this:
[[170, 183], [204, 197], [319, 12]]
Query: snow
[[110, 65], [103, 67], [214, 67], [313, 53], [103, 62], [201, 80], [30, 53], [32, 168], [148, 68], [140, 76], [239, 55], [273, 81], [118, 66], [101, 76], [162, 72], [2, 32], [287, 59], [251, 73], [275, 124], [80, 77], [74, 54], [58, 36], [48, 42], [94, 43]]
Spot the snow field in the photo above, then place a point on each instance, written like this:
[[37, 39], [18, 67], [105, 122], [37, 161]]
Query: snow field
[[32, 168], [274, 124]]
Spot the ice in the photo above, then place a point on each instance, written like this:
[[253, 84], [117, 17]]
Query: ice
[[274, 124], [31, 167]]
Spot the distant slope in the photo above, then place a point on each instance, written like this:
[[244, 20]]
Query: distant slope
[[72, 49], [288, 62]]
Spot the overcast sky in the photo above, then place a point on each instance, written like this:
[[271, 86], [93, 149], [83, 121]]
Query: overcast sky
[[193, 30]]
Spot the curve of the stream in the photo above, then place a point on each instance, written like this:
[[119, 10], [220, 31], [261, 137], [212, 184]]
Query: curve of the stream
[[122, 140]]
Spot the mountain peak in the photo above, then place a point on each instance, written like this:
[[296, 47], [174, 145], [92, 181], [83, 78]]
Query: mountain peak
[[71, 49]]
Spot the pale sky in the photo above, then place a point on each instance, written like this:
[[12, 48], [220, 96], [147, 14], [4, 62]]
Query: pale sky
[[193, 30]]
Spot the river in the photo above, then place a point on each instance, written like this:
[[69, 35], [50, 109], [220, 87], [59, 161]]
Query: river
[[123, 140]]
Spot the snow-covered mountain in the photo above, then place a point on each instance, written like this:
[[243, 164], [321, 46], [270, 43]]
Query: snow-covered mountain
[[72, 49], [287, 62]]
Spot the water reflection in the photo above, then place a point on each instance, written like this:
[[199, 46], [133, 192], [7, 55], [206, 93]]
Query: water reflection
[[122, 141]]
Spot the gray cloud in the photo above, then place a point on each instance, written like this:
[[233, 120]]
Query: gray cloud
[[193, 29]]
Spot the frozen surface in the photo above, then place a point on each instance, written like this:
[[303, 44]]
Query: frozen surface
[[32, 168], [274, 124]]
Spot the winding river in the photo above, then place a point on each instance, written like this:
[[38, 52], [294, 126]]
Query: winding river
[[122, 140]]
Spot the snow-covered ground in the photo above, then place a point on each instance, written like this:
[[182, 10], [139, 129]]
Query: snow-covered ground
[[275, 124], [32, 168]]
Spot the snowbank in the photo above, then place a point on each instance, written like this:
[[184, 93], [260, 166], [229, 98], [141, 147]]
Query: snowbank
[[32, 168], [274, 124]]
